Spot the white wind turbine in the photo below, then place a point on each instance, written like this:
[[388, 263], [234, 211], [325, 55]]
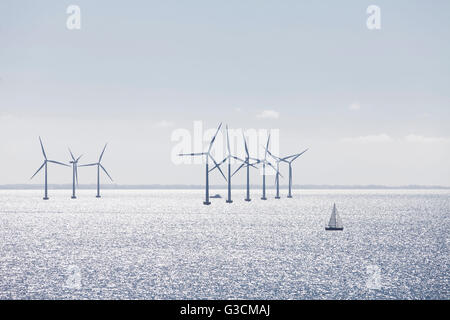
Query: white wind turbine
[[289, 160], [46, 161], [74, 163], [207, 156], [99, 165], [247, 164], [278, 174], [228, 157], [264, 163]]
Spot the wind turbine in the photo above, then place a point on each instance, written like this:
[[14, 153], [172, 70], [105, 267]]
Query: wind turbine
[[292, 158], [266, 162], [207, 156], [278, 174], [248, 165], [46, 161], [228, 157], [74, 163], [99, 165]]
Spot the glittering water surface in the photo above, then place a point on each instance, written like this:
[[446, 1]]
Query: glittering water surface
[[160, 244]]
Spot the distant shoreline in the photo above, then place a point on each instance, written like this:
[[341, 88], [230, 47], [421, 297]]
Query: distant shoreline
[[218, 187]]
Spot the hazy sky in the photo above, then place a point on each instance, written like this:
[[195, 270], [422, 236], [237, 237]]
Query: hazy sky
[[373, 106]]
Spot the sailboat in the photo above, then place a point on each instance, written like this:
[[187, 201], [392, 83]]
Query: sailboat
[[335, 222]]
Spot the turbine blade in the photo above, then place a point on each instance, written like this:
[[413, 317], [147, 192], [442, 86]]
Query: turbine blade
[[287, 157], [278, 172], [88, 165], [218, 164], [245, 145], [293, 156], [253, 165], [214, 138], [78, 158], [42, 147], [101, 155], [243, 164], [57, 162], [192, 154], [277, 177], [218, 167], [273, 156], [71, 154], [237, 158], [76, 174], [38, 170], [267, 148], [299, 155], [105, 171], [268, 140]]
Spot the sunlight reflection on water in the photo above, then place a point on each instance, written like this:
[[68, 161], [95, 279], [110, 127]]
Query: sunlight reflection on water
[[164, 244]]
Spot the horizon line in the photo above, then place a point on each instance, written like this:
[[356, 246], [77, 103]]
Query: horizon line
[[199, 186]]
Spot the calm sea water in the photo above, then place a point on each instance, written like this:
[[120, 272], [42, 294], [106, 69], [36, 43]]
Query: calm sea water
[[163, 244]]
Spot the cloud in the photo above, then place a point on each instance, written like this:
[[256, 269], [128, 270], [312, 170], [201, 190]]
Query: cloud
[[6, 117], [164, 124], [377, 138], [422, 139], [383, 137], [355, 106], [268, 114]]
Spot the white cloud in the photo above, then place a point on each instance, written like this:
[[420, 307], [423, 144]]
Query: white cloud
[[268, 114], [355, 106], [422, 139], [6, 117], [383, 137], [164, 124]]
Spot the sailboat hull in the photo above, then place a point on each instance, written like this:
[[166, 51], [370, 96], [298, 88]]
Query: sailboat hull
[[334, 229]]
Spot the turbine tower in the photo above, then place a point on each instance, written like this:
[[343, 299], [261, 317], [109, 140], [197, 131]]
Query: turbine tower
[[207, 156], [291, 158], [264, 163], [228, 157], [278, 174], [248, 165], [99, 165], [45, 164], [74, 163]]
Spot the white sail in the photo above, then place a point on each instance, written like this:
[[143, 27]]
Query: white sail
[[335, 219]]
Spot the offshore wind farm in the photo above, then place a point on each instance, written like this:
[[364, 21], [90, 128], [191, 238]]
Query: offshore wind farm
[[180, 247], [229, 157], [75, 165], [168, 244]]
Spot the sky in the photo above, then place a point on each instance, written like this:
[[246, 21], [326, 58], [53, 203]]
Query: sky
[[372, 106]]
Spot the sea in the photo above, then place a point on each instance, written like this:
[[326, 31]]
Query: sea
[[165, 244]]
